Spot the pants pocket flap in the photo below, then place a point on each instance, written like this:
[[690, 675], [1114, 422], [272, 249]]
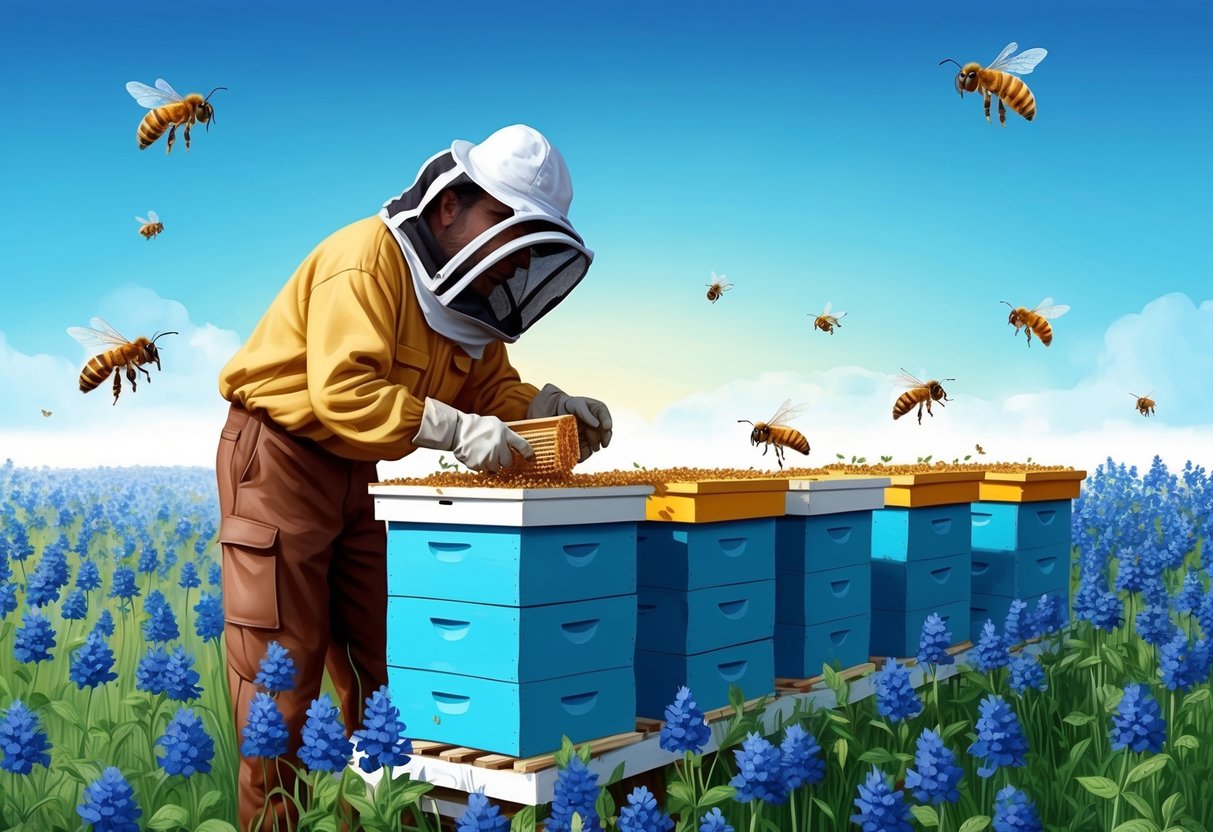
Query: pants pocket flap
[[252, 534]]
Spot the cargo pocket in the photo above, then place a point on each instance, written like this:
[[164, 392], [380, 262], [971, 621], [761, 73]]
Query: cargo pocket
[[411, 365], [250, 572]]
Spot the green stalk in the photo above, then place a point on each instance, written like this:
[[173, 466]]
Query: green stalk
[[193, 803], [1124, 767]]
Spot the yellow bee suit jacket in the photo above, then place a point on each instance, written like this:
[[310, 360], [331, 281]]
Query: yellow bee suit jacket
[[344, 356]]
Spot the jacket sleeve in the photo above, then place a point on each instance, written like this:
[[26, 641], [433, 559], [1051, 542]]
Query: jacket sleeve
[[493, 387], [351, 339]]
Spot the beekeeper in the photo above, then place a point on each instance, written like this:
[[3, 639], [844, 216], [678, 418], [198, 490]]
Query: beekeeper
[[390, 336]]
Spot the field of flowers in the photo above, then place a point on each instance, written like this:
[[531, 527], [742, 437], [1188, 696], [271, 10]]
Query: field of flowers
[[113, 703]]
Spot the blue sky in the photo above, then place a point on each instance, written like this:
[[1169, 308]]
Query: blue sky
[[810, 155]]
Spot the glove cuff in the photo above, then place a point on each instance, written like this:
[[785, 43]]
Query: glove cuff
[[439, 426], [546, 402]]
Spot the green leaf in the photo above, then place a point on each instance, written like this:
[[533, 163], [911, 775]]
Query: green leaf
[[824, 807], [716, 794], [328, 823], [565, 753], [168, 816], [680, 797], [324, 793], [584, 753], [925, 815], [364, 806], [877, 756], [523, 820], [1090, 661], [1139, 803], [770, 826], [840, 750], [1078, 749], [412, 792], [604, 805], [876, 723], [1079, 719], [1100, 787], [953, 729], [67, 713], [616, 775], [576, 824], [1137, 825], [215, 825], [1172, 806], [975, 823], [210, 799], [1188, 741], [1195, 697], [1150, 766]]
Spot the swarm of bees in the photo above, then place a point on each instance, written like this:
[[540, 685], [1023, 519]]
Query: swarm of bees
[[999, 79], [151, 226], [1036, 320], [717, 287], [123, 356], [168, 109], [1145, 405], [826, 322], [919, 393], [774, 432]]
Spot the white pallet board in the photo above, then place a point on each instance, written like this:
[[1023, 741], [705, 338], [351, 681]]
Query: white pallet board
[[834, 496], [510, 506], [539, 787]]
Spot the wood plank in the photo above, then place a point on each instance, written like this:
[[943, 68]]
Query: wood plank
[[461, 755], [717, 714], [910, 661], [533, 764], [496, 762], [429, 749], [648, 726]]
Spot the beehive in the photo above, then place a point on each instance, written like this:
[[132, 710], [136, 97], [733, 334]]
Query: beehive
[[555, 443]]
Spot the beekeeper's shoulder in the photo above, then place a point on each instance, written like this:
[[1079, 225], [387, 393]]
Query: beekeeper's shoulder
[[363, 244]]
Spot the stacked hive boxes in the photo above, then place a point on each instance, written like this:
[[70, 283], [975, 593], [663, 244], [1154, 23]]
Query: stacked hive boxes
[[504, 637], [1020, 550], [824, 575], [920, 565], [706, 590]]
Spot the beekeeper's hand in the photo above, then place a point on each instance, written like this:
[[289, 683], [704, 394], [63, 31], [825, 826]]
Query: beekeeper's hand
[[593, 419], [482, 443]]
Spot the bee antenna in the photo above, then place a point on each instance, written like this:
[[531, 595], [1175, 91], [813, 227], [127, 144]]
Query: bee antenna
[[747, 421], [162, 334], [1006, 302], [945, 60], [212, 92]]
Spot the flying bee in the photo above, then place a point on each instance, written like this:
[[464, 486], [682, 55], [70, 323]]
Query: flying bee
[[168, 110], [717, 287], [980, 449], [151, 226], [920, 393], [826, 322], [46, 412], [1036, 320], [1145, 405], [999, 79], [775, 432], [123, 355]]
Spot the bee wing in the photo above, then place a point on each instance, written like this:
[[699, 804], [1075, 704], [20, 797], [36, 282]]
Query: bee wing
[[164, 87], [1051, 312], [151, 215], [1023, 63], [1042, 304], [91, 337], [148, 97], [829, 305], [904, 379], [141, 220], [1003, 55], [108, 331], [786, 412]]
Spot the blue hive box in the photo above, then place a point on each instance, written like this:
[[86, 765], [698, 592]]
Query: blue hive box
[[691, 556], [911, 585], [805, 598], [1021, 574], [512, 644], [674, 621], [751, 667], [896, 633], [921, 533], [520, 720], [1007, 527], [800, 652], [512, 566], [824, 541], [996, 607]]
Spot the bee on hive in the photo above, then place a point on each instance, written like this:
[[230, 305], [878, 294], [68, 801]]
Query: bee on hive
[[775, 432], [920, 393]]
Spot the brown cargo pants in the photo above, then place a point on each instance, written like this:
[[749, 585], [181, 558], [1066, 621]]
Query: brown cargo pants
[[304, 564]]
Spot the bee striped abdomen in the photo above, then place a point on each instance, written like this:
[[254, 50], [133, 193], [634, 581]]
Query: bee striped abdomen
[[152, 127], [790, 438], [1044, 331], [1015, 94], [96, 371], [906, 401]]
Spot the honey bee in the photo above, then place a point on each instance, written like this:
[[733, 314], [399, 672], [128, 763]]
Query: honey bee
[[920, 393], [775, 432], [46, 412], [980, 449], [717, 287], [150, 226], [168, 107], [1036, 320], [1145, 405], [999, 79], [124, 355], [826, 322]]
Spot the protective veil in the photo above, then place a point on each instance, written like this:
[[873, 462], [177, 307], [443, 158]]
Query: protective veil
[[517, 166]]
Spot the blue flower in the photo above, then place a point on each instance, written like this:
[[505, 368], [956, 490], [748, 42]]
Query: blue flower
[[325, 747], [1130, 577], [180, 679], [1017, 624], [713, 821], [24, 744], [991, 652], [382, 739], [150, 672], [277, 670], [149, 560], [684, 728], [41, 589], [188, 748], [93, 664], [214, 575], [1204, 616], [802, 762], [880, 808], [1138, 723], [895, 696], [122, 585], [1089, 589], [576, 791], [89, 577], [8, 599], [208, 623], [482, 816], [109, 804], [759, 772], [105, 623], [189, 576], [1000, 740], [1189, 597], [154, 601], [75, 606], [265, 733], [35, 638], [934, 642], [1026, 672], [1108, 612], [1013, 812], [1154, 625], [1046, 617], [935, 775], [642, 814], [162, 625]]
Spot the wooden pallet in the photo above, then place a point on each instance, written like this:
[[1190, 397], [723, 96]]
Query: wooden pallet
[[806, 685], [961, 647]]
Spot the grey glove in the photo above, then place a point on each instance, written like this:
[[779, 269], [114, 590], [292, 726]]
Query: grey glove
[[482, 443], [593, 419]]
